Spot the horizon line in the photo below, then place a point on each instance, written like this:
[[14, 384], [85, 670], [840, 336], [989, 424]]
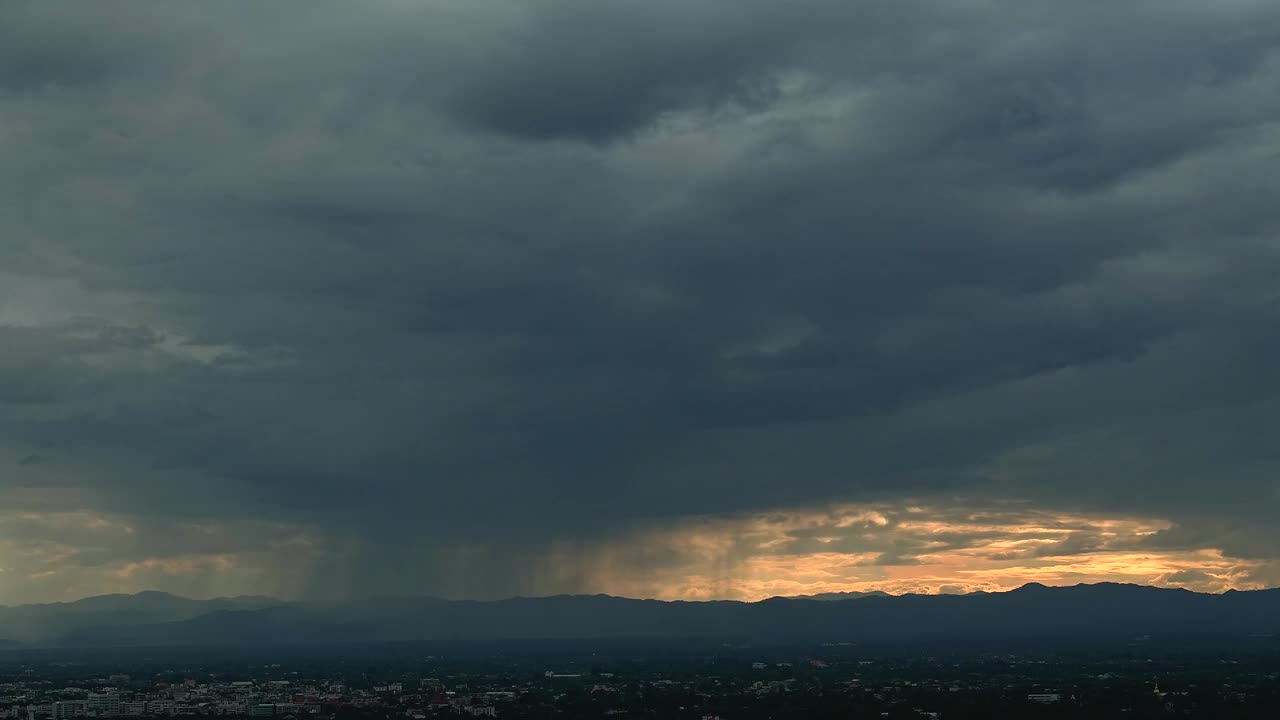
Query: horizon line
[[854, 595]]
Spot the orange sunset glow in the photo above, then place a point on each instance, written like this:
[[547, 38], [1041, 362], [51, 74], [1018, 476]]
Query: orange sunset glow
[[910, 548]]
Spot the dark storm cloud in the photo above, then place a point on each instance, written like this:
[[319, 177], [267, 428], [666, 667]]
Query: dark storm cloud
[[486, 277], [46, 48], [595, 72]]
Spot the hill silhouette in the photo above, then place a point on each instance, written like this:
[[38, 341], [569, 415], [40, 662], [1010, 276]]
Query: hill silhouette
[[1105, 611]]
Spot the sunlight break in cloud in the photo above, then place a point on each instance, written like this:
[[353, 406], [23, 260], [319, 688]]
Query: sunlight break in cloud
[[908, 548]]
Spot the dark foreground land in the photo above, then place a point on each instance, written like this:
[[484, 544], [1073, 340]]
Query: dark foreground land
[[1140, 679]]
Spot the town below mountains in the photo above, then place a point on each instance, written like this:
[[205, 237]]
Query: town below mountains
[[1101, 613]]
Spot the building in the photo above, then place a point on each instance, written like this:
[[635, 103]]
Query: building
[[105, 704], [70, 709]]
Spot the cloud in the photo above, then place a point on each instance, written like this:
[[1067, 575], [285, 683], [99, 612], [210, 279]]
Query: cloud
[[467, 291], [949, 548], [571, 70], [71, 554]]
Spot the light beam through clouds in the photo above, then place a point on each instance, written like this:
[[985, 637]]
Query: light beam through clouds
[[913, 548], [894, 548]]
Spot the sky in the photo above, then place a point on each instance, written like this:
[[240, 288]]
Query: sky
[[676, 298]]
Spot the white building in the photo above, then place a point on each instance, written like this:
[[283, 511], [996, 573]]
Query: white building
[[70, 709], [105, 704]]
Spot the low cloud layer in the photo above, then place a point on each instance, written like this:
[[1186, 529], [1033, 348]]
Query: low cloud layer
[[900, 548], [461, 298]]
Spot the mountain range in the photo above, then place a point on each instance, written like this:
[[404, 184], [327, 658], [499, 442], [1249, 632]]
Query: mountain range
[[832, 596], [1033, 612]]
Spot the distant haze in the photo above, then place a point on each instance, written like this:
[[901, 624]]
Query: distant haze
[[1104, 615]]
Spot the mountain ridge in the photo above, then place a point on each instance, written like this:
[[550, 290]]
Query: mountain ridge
[[1102, 610], [395, 598]]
